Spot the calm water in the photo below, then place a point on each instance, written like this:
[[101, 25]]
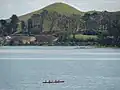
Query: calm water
[[25, 68]]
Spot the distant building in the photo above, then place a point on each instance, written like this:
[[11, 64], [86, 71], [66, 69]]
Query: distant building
[[38, 40], [7, 37], [17, 40], [48, 39]]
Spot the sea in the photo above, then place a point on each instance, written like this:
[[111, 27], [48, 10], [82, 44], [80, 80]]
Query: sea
[[27, 67]]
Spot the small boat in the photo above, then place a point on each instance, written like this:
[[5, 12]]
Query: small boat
[[84, 47], [56, 81]]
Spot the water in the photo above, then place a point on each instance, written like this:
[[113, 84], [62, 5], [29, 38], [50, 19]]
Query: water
[[25, 68]]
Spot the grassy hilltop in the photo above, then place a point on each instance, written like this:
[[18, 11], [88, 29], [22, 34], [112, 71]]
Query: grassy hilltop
[[62, 8]]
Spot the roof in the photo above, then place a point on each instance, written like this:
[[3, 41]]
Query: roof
[[27, 38], [45, 38]]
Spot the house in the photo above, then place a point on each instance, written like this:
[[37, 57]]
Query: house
[[45, 39], [22, 40]]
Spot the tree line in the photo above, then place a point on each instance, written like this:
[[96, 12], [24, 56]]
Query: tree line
[[106, 25]]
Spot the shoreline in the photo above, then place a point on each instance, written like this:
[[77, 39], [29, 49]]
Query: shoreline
[[76, 46]]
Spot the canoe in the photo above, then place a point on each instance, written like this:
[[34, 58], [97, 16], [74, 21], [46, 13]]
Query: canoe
[[54, 81]]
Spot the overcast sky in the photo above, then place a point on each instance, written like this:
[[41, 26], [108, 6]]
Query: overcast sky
[[20, 7]]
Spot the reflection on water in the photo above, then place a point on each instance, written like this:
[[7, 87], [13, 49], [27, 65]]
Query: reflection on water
[[25, 68]]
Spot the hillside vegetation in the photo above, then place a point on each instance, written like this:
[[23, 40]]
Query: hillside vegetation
[[84, 37], [67, 24]]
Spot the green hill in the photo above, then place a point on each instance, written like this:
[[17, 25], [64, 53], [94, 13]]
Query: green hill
[[61, 8]]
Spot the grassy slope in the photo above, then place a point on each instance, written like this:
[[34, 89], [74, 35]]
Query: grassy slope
[[85, 37], [58, 7]]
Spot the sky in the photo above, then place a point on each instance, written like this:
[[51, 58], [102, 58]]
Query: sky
[[21, 7]]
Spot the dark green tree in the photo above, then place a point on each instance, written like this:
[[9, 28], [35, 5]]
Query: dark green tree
[[43, 14], [52, 16], [13, 23], [3, 26], [75, 23], [114, 29], [86, 18], [29, 26], [23, 25], [63, 24]]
